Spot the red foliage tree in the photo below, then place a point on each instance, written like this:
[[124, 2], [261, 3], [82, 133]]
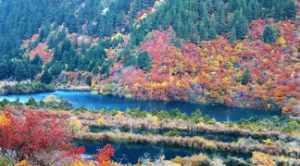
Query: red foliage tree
[[214, 70], [257, 28], [42, 51], [29, 132], [287, 30]]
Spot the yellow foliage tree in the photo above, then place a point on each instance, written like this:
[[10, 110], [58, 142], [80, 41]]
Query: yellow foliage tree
[[82, 163], [120, 116], [23, 163], [4, 120], [154, 120], [75, 125], [239, 47], [281, 41], [100, 121], [262, 159]]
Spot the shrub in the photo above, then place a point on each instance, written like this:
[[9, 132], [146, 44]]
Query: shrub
[[4, 161], [262, 159], [32, 132], [100, 121], [172, 133], [32, 102], [75, 125]]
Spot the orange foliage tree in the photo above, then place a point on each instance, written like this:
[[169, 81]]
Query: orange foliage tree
[[105, 155]]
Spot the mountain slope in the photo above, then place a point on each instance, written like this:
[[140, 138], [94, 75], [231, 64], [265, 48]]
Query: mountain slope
[[236, 52]]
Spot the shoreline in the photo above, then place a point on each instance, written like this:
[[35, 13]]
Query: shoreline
[[86, 88], [73, 88]]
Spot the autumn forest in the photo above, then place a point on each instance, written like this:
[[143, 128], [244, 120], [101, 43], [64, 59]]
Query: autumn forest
[[187, 82]]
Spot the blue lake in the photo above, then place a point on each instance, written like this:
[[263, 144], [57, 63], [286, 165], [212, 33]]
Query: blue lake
[[85, 99]]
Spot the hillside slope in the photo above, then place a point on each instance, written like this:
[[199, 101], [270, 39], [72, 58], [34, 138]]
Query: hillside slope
[[239, 52]]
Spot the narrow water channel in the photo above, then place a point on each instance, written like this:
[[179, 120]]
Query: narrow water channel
[[133, 152], [126, 152]]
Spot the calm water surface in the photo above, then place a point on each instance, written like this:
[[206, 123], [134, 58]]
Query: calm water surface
[[126, 152], [133, 152], [84, 99]]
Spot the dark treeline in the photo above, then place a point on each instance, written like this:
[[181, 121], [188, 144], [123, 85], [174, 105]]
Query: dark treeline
[[198, 20], [22, 18]]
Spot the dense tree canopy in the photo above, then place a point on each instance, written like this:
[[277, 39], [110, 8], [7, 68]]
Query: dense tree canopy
[[201, 20], [20, 19], [51, 25]]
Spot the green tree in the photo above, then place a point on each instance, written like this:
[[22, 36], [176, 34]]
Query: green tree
[[129, 60], [5, 71], [44, 32], [203, 31], [253, 10], [202, 10], [22, 71], [144, 61], [56, 69], [36, 66], [285, 9], [220, 18], [232, 37], [212, 32], [233, 5], [32, 102], [246, 77], [269, 34], [105, 68], [96, 56], [240, 25], [268, 3], [46, 77], [290, 9]]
